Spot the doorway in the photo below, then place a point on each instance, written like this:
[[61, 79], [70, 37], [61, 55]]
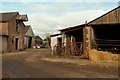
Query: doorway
[[59, 41], [106, 38], [16, 44], [30, 42]]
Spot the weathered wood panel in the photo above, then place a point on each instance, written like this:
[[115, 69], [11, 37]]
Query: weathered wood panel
[[3, 43], [118, 15], [29, 32], [4, 28], [112, 17]]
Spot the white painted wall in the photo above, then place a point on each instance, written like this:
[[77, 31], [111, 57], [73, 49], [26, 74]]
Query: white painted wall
[[54, 42]]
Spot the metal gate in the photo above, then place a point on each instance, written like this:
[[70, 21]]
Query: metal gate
[[106, 45], [71, 48]]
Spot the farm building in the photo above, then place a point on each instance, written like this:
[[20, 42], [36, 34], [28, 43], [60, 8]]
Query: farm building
[[105, 31], [55, 39], [38, 41], [29, 37], [12, 31], [101, 33], [72, 40]]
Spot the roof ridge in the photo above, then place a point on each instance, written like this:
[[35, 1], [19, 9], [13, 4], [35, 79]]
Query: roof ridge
[[7, 12], [103, 14]]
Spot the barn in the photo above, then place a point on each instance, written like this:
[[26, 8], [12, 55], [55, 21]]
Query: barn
[[29, 37], [72, 40], [12, 31], [105, 31], [101, 33]]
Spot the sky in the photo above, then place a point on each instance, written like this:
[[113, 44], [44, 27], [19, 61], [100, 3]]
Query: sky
[[49, 16]]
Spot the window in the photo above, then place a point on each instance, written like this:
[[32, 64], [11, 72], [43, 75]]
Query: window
[[17, 25]]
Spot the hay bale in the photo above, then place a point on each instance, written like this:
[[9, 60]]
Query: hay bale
[[114, 57], [105, 56], [85, 55], [102, 56], [94, 55]]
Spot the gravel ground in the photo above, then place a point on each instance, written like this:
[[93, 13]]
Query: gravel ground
[[38, 63]]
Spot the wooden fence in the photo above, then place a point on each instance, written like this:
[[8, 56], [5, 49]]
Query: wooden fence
[[106, 45]]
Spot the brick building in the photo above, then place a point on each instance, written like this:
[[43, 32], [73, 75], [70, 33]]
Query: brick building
[[12, 31]]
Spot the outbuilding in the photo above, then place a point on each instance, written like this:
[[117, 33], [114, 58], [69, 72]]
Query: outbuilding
[[56, 42], [12, 31], [101, 33], [105, 31], [29, 37]]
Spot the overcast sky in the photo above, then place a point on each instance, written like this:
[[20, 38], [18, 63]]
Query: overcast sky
[[49, 16]]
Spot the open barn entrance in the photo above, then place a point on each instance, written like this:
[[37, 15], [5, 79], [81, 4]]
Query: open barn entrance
[[30, 42], [106, 37], [59, 45], [74, 42]]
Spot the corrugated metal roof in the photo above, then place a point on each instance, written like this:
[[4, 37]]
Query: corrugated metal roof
[[78, 26], [69, 28], [55, 35]]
